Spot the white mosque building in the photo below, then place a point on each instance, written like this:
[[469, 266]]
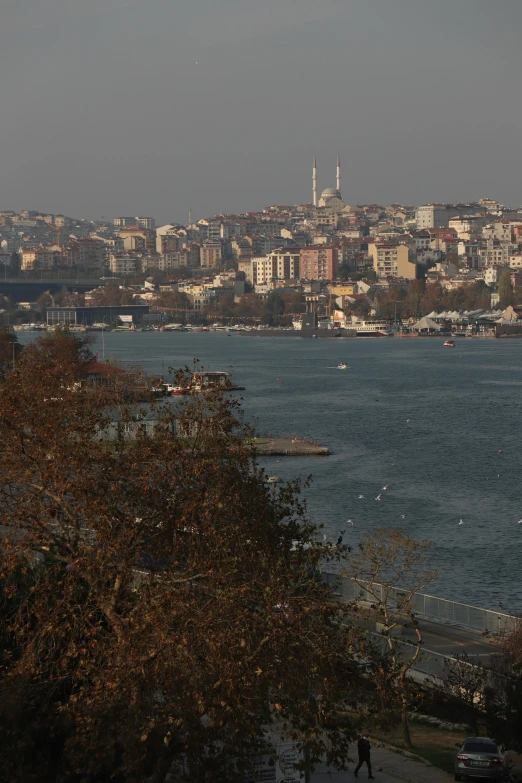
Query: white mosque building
[[331, 198]]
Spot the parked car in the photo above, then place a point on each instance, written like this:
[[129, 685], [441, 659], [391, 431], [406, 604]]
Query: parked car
[[480, 757]]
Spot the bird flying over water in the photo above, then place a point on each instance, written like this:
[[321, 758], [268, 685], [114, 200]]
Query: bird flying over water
[[361, 497], [520, 521], [403, 516], [378, 497], [350, 522], [461, 522], [385, 488]]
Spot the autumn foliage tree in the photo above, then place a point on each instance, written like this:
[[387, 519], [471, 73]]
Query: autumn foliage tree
[[160, 606]]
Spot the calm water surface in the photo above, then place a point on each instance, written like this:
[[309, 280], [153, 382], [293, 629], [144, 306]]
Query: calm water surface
[[426, 421]]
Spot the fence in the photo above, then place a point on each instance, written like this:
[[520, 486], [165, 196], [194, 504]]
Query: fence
[[430, 663], [426, 606]]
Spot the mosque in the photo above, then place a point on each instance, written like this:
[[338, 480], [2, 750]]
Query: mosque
[[331, 198]]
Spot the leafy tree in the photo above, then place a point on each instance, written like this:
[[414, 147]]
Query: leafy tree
[[43, 302], [10, 350], [159, 602], [173, 300], [505, 289], [389, 567], [471, 683], [250, 306], [15, 264], [274, 307], [411, 306]]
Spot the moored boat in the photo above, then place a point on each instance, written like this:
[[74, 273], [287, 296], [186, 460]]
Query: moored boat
[[372, 328], [449, 344]]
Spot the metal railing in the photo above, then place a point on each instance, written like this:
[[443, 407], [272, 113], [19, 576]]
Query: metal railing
[[427, 606], [432, 664]]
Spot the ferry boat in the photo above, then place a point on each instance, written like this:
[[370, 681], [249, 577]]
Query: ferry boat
[[373, 329], [449, 344]]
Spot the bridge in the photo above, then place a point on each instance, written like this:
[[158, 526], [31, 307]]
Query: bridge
[[23, 290]]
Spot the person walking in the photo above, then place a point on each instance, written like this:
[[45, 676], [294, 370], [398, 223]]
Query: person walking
[[363, 749]]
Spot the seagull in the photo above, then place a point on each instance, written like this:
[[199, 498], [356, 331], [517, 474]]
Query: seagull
[[520, 521], [350, 522], [385, 488], [403, 516], [361, 497], [378, 497], [407, 421], [461, 522], [324, 537]]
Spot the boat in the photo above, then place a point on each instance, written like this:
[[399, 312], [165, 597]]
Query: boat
[[449, 344], [342, 366], [372, 328], [272, 480], [170, 390]]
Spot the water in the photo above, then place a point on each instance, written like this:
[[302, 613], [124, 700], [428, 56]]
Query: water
[[463, 406]]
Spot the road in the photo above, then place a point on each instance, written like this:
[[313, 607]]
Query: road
[[450, 639]]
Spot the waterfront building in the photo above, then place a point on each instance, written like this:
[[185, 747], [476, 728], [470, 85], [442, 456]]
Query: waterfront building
[[75, 316]]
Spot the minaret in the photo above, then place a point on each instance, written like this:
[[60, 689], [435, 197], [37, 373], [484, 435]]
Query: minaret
[[338, 174], [314, 179]]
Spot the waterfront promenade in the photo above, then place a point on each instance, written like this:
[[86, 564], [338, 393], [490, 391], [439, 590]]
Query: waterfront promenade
[[388, 767]]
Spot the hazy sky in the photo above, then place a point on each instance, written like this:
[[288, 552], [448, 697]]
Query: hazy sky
[[144, 107]]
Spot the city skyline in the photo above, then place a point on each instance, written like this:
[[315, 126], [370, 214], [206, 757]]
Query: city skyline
[[116, 108]]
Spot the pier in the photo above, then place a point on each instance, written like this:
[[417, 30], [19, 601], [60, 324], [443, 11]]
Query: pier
[[291, 446]]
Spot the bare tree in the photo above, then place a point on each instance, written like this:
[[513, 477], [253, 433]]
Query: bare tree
[[388, 568]]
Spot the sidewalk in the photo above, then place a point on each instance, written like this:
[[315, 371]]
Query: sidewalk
[[387, 767]]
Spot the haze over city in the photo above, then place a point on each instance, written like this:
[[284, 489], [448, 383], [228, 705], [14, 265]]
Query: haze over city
[[127, 107]]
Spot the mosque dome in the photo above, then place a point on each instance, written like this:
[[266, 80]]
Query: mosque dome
[[330, 193]]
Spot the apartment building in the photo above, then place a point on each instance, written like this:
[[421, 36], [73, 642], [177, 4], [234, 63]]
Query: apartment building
[[393, 260], [319, 262], [435, 215], [41, 258], [210, 255]]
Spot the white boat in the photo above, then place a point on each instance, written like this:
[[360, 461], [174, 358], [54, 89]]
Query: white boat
[[272, 479], [373, 329], [342, 366]]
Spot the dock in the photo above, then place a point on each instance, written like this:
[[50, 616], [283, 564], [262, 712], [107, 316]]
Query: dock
[[288, 447]]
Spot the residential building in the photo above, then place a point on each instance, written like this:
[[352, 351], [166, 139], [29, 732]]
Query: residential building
[[139, 240], [124, 263], [210, 255], [393, 260], [41, 258], [435, 215], [142, 222], [496, 253], [319, 262], [87, 253]]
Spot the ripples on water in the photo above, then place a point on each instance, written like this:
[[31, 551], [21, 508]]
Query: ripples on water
[[442, 465]]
